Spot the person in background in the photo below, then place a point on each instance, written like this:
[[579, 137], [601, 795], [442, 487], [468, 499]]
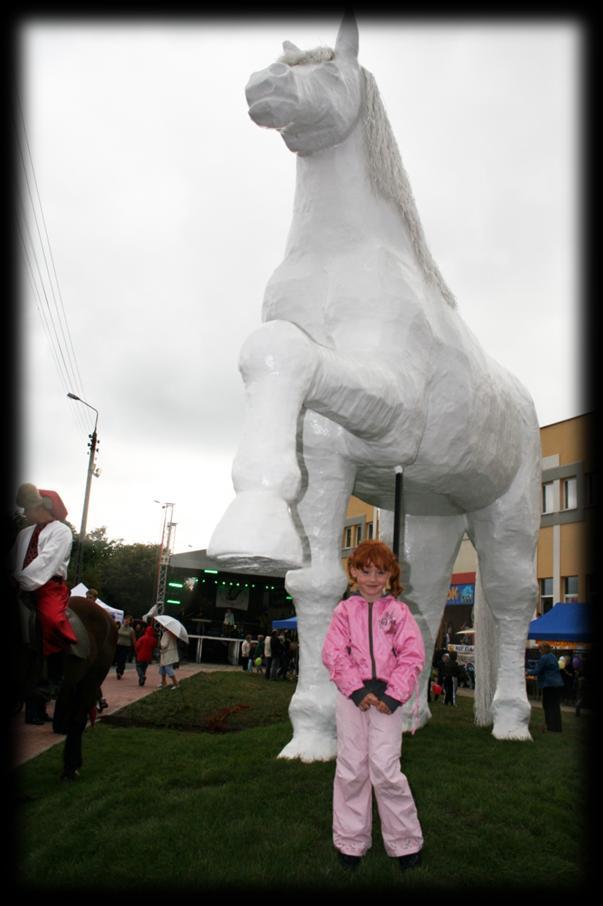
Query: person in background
[[126, 640], [258, 654], [549, 680], [246, 662], [568, 676], [144, 649], [267, 656], [40, 559], [450, 675], [168, 647], [294, 656], [277, 651], [229, 622]]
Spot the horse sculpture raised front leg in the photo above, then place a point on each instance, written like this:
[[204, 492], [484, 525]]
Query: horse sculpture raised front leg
[[285, 371], [316, 588]]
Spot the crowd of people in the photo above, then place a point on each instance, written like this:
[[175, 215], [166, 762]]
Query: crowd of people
[[142, 641], [275, 655], [448, 674]]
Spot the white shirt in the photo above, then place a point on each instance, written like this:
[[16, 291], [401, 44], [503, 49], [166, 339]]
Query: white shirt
[[54, 550]]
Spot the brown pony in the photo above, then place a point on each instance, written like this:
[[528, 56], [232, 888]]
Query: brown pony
[[82, 677]]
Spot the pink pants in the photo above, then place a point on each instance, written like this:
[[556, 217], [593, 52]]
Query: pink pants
[[368, 757]]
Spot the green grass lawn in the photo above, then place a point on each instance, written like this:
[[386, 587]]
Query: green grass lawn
[[164, 809]]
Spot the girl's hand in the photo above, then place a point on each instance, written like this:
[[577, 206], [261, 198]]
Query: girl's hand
[[368, 700], [383, 708]]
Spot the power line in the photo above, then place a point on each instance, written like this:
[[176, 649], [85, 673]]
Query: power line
[[44, 279]]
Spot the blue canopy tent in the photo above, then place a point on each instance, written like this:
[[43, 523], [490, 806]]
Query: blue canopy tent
[[290, 623], [563, 623]]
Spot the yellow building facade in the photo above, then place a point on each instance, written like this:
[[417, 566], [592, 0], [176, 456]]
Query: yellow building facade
[[565, 546], [565, 557]]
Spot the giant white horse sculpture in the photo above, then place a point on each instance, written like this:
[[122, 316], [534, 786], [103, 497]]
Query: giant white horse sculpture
[[362, 365]]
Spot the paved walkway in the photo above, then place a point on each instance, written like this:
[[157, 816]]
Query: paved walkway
[[31, 739]]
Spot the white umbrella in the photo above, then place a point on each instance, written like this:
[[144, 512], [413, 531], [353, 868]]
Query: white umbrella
[[174, 626]]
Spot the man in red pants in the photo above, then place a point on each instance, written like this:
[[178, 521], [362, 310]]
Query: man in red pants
[[40, 560]]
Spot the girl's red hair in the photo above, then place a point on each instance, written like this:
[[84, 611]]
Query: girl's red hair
[[378, 554]]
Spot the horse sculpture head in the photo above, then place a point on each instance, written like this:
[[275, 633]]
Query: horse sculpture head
[[313, 98]]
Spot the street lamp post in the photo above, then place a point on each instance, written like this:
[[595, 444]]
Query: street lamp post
[[93, 445]]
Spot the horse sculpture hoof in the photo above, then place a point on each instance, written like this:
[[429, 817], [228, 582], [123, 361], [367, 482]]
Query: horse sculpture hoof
[[69, 776], [256, 532], [511, 719], [309, 747]]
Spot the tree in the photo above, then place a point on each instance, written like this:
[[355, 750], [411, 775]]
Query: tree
[[98, 549], [128, 577]]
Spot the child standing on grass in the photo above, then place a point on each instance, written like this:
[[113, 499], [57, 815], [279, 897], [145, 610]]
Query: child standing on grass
[[168, 656], [374, 653]]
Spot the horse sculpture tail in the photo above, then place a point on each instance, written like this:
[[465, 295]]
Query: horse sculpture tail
[[486, 657]]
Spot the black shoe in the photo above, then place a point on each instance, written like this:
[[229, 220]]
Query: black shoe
[[410, 861], [350, 863]]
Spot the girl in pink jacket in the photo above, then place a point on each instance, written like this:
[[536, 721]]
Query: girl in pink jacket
[[374, 653]]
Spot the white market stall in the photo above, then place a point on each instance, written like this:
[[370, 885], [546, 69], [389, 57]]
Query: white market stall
[[80, 591]]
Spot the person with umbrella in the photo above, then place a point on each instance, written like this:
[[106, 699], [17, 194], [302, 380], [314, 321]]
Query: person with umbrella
[[171, 631]]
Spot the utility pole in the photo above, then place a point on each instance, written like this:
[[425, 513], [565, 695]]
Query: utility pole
[[92, 446], [165, 551]]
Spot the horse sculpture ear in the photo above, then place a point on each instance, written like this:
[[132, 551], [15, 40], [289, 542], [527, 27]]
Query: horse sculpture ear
[[347, 36], [289, 45]]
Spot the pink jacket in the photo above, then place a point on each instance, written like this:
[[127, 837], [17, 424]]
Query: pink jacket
[[374, 641]]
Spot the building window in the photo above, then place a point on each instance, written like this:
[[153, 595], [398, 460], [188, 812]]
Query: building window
[[357, 535], [546, 595], [347, 537], [570, 588], [370, 531], [548, 497], [569, 494]]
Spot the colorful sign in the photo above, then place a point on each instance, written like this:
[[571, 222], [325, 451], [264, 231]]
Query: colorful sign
[[461, 594]]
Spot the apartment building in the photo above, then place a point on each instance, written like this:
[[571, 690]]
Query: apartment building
[[565, 557]]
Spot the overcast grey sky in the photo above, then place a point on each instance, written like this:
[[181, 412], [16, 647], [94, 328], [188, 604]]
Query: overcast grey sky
[[167, 210]]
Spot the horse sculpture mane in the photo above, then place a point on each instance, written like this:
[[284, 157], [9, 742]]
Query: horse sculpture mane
[[386, 170], [388, 177]]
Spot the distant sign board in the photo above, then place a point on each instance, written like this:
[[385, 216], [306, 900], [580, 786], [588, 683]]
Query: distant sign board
[[461, 594], [465, 653]]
